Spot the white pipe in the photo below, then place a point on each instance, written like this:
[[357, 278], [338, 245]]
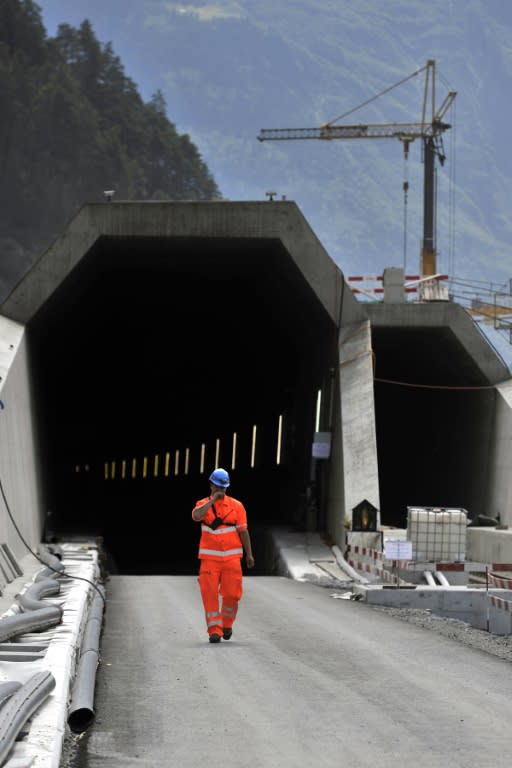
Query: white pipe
[[442, 579], [429, 578], [347, 567]]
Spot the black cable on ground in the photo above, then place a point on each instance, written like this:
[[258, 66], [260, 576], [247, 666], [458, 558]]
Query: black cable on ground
[[60, 573]]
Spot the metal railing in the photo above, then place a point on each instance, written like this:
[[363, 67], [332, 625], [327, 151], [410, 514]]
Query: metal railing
[[487, 302]]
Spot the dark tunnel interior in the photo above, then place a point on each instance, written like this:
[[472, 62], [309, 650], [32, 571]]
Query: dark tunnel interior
[[433, 428], [156, 359]]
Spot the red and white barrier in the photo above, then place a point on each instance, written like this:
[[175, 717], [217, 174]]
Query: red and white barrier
[[499, 581], [501, 603], [376, 556], [412, 286]]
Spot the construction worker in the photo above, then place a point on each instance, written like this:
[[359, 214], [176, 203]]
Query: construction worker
[[224, 537]]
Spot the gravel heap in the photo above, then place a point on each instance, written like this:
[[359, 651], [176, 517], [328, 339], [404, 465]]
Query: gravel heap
[[496, 645]]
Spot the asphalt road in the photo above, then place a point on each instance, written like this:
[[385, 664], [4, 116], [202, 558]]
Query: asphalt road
[[307, 680]]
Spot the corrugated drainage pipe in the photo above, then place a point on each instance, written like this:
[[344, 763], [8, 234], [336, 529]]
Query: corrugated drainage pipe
[[30, 600], [51, 560], [81, 710], [7, 690], [49, 573], [33, 621], [20, 706]]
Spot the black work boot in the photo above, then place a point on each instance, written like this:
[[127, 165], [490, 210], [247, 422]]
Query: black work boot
[[214, 638], [226, 635]]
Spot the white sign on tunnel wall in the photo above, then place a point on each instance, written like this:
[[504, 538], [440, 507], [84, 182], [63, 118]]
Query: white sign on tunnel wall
[[321, 445]]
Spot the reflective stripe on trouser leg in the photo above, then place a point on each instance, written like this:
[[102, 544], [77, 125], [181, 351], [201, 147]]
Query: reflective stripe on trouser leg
[[209, 580], [230, 590], [228, 614]]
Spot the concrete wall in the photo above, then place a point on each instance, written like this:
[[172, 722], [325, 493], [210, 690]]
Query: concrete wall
[[499, 489], [488, 545], [358, 435], [18, 454], [335, 501]]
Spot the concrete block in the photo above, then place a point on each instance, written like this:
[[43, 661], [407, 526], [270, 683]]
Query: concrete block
[[394, 285], [472, 606], [489, 545], [500, 622]]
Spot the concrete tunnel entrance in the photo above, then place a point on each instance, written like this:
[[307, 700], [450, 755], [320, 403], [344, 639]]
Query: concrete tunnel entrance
[[156, 359], [434, 408]]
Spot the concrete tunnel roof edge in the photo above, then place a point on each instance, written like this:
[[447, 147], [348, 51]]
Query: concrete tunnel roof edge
[[281, 220]]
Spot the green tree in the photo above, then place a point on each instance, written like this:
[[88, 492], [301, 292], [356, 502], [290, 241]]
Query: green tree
[[22, 31], [72, 125]]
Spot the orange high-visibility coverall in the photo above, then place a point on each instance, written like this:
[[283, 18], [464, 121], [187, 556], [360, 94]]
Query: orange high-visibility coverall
[[220, 572]]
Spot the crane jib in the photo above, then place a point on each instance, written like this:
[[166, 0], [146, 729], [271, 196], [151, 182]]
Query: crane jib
[[429, 129], [407, 131]]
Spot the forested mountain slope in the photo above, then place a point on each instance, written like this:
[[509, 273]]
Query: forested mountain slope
[[72, 125], [227, 68]]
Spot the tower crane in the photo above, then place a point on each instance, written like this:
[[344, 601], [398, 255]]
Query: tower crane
[[429, 129]]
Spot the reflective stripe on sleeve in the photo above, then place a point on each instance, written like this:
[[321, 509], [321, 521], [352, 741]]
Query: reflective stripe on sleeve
[[229, 529], [219, 553]]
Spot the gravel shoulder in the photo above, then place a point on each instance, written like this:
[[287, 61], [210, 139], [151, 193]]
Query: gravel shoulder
[[496, 645]]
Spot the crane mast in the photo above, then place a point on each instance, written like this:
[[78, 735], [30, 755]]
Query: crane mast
[[429, 130]]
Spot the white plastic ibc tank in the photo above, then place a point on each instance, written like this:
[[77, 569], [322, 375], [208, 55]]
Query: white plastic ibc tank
[[437, 533]]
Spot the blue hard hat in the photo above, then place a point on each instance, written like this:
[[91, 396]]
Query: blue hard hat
[[220, 478]]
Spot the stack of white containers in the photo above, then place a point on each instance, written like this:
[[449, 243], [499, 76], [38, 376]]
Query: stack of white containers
[[437, 533]]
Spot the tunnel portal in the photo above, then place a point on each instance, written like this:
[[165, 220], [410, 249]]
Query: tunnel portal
[[157, 359], [434, 410]]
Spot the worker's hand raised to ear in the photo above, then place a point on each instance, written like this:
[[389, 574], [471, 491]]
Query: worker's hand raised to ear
[[218, 495]]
